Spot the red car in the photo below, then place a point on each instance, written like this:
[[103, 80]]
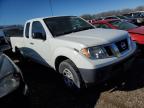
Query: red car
[[137, 33]]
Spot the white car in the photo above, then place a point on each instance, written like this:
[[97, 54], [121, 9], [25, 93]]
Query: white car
[[83, 54]]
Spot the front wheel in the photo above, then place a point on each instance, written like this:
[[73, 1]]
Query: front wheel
[[71, 75]]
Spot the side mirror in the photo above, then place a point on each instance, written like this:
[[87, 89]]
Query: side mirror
[[38, 35]]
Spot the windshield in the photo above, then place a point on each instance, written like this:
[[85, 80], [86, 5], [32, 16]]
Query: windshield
[[123, 25], [63, 25]]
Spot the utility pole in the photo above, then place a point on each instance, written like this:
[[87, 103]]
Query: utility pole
[[51, 8]]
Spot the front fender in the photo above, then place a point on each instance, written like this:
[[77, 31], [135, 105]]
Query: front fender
[[76, 57]]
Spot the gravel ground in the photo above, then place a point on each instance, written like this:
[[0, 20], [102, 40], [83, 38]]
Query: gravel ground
[[127, 92], [48, 91]]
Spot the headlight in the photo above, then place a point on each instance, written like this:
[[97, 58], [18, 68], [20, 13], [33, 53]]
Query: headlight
[[9, 84], [94, 52]]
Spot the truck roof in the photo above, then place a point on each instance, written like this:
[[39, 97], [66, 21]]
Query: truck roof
[[40, 18]]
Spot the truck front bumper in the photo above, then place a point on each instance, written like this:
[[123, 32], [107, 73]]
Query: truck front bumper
[[96, 76]]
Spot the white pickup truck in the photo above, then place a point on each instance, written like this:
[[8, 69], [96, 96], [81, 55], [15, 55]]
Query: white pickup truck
[[83, 54]]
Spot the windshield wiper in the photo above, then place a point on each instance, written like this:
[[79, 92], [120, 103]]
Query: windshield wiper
[[63, 33], [81, 29]]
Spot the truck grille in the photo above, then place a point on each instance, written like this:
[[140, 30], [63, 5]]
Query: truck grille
[[117, 48], [122, 45], [108, 50]]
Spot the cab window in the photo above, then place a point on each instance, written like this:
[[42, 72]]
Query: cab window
[[38, 31]]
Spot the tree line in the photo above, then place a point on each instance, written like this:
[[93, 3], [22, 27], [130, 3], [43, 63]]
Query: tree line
[[111, 13]]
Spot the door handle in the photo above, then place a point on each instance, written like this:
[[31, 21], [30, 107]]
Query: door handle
[[31, 43]]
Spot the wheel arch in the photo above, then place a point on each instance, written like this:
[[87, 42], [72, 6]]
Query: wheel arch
[[64, 58], [58, 60]]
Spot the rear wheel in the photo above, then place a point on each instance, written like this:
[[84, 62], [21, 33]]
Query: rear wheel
[[71, 75]]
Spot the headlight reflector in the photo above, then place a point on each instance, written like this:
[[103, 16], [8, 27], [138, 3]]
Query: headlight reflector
[[95, 52]]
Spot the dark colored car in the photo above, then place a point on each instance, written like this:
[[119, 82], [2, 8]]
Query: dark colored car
[[12, 85], [4, 45], [10, 32], [123, 18], [137, 33], [139, 16], [111, 17], [131, 20]]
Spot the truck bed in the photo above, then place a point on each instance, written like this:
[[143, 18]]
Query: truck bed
[[17, 42]]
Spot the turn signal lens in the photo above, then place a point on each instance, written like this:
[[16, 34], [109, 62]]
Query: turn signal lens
[[85, 52]]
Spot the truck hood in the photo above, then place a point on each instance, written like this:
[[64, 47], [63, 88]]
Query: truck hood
[[95, 37]]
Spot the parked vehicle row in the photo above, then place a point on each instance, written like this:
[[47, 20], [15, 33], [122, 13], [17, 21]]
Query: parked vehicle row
[[139, 16], [82, 54], [123, 18], [136, 18], [136, 33]]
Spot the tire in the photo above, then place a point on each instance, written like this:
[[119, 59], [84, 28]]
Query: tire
[[71, 75]]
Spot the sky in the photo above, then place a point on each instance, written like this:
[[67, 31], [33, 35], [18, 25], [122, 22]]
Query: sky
[[18, 11]]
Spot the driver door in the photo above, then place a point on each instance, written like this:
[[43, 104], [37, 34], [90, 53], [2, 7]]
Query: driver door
[[37, 42]]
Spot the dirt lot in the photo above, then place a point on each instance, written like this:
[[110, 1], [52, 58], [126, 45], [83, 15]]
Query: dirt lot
[[48, 91]]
